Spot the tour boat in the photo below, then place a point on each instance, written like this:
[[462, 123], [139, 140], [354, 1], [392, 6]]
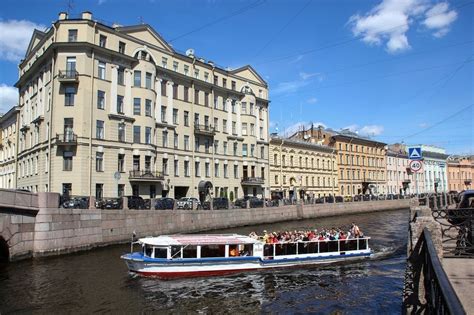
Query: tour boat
[[179, 256]]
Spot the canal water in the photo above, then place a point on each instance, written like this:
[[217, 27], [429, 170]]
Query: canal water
[[97, 280]]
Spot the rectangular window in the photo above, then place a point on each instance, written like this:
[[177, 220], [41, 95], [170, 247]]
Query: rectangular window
[[163, 114], [175, 91], [224, 125], [186, 169], [136, 134], [216, 102], [244, 108], [225, 147], [206, 99], [224, 82], [235, 148], [262, 152], [164, 62], [216, 123], [175, 116], [252, 150], [121, 163], [244, 149], [196, 73], [67, 161], [216, 169], [197, 171], [236, 171], [234, 128], [100, 99], [233, 85], [186, 118], [121, 132], [252, 129], [137, 106], [244, 129], [121, 47], [148, 135], [206, 76], [176, 167], [226, 175], [102, 41], [100, 134], [120, 104], [186, 70], [207, 169], [69, 95], [175, 66], [196, 119], [121, 76], [99, 191], [148, 108], [196, 144], [196, 96], [186, 94], [72, 36], [216, 146], [216, 80], [176, 140], [99, 161], [234, 108], [186, 143], [137, 78], [165, 138], [101, 70], [148, 80], [164, 168]]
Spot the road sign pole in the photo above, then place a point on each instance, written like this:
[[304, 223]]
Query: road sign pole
[[416, 184]]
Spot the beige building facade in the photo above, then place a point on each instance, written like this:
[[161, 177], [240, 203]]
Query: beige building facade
[[110, 111], [8, 136], [460, 172], [361, 161], [300, 169]]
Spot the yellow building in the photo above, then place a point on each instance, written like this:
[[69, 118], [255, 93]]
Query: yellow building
[[460, 172], [8, 136], [300, 169], [110, 110], [361, 161]]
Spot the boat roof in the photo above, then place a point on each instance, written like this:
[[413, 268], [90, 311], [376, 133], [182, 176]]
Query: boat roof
[[198, 239]]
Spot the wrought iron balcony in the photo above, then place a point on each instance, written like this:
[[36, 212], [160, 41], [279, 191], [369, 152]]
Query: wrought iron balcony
[[145, 175], [258, 181], [68, 76], [206, 130], [69, 138]]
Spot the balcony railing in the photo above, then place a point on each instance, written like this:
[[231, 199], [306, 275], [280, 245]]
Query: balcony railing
[[252, 181], [68, 76], [66, 139], [207, 130], [146, 175]]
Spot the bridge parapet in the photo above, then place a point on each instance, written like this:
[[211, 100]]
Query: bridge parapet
[[18, 202]]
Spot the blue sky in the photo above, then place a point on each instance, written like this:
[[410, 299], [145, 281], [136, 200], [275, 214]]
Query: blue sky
[[396, 70]]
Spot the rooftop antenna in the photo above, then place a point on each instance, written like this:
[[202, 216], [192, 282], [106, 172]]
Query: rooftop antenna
[[70, 6], [141, 19]]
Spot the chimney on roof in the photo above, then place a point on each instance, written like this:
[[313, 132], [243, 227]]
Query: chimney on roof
[[62, 16], [86, 15]]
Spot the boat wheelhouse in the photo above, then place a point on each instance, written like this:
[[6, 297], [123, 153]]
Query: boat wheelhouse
[[175, 256]]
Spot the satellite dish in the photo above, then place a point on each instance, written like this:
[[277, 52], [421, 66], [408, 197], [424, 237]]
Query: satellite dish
[[190, 52]]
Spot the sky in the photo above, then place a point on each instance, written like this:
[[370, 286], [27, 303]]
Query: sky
[[391, 70]]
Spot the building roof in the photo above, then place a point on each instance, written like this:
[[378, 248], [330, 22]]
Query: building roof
[[11, 112], [302, 144]]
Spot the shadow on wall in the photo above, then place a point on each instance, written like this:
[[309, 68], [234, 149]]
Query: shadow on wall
[[4, 251]]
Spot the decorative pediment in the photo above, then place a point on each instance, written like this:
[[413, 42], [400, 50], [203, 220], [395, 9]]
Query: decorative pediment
[[147, 34], [249, 73], [34, 41]]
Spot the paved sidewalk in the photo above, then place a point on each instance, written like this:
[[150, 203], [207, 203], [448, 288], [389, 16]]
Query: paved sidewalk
[[460, 272]]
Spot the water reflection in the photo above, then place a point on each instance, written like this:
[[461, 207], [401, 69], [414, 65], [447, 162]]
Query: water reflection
[[97, 281]]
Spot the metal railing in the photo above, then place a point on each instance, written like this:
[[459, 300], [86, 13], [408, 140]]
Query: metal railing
[[66, 139], [427, 287], [204, 129], [253, 180], [457, 231], [68, 75], [146, 175]]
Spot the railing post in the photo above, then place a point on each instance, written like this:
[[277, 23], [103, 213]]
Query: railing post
[[435, 203], [124, 203]]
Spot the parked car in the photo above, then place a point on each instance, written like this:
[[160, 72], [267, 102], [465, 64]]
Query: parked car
[[75, 203], [164, 203], [217, 203], [339, 199], [135, 202], [253, 201], [187, 203], [111, 203]]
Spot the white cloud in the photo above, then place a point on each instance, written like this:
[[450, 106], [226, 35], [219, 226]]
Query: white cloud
[[312, 100], [388, 22], [439, 18], [297, 59], [15, 36], [8, 97], [306, 76], [423, 125], [100, 2], [368, 130], [289, 87]]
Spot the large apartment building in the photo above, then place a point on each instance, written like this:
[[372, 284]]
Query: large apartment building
[[460, 172], [8, 136], [361, 161], [300, 170], [111, 110]]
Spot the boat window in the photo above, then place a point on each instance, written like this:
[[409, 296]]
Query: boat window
[[190, 251], [175, 252], [286, 249], [233, 251], [161, 252], [247, 250], [268, 250], [147, 250], [212, 251]]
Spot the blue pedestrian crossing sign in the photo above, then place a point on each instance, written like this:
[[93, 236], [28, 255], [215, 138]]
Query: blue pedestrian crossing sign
[[414, 153]]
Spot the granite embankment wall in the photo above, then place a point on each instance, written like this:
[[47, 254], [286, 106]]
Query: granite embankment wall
[[66, 230]]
